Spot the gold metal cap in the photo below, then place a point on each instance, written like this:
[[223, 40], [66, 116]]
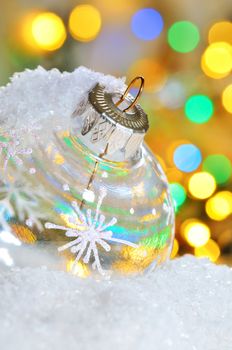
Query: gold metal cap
[[117, 132]]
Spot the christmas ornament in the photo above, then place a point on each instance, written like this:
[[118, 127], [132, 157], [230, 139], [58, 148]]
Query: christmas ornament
[[80, 190]]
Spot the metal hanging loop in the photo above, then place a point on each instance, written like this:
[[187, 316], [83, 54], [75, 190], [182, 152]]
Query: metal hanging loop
[[127, 91]]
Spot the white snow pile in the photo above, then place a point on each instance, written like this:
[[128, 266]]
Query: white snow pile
[[186, 305], [45, 99]]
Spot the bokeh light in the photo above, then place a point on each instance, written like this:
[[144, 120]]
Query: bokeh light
[[187, 157], [219, 207], [178, 194], [173, 94], [219, 166], [195, 232], [153, 72], [217, 60], [199, 108], [48, 31], [201, 185], [85, 22], [147, 24], [24, 31], [227, 98], [221, 32], [183, 36], [211, 251]]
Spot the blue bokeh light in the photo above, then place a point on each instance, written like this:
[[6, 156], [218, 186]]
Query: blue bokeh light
[[187, 157], [147, 24]]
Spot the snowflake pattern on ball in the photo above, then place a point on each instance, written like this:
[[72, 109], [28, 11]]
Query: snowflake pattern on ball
[[93, 231], [12, 149], [19, 199]]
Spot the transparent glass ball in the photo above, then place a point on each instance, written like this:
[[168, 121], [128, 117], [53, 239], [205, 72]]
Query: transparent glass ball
[[122, 223]]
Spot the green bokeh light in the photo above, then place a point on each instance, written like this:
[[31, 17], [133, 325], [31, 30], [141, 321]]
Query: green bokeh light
[[178, 194], [183, 36], [219, 166], [199, 108]]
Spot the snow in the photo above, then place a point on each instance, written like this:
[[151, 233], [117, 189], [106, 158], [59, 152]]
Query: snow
[[40, 99], [185, 305]]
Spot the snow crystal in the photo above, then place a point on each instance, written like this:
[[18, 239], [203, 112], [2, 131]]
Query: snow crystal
[[186, 305], [36, 98]]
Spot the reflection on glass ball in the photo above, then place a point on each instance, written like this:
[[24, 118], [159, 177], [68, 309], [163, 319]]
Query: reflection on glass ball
[[122, 223]]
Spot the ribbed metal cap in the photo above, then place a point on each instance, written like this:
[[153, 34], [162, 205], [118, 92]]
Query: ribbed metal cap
[[112, 132]]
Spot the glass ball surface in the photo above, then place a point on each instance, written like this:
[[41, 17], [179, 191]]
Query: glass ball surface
[[122, 223]]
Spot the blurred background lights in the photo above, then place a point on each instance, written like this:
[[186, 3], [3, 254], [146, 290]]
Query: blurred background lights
[[147, 24], [187, 157], [227, 98], [217, 60], [109, 41], [84, 22], [211, 251], [153, 72], [24, 31], [219, 166], [219, 207], [178, 194], [195, 232], [221, 31], [183, 36], [199, 109], [173, 94], [201, 185], [48, 31]]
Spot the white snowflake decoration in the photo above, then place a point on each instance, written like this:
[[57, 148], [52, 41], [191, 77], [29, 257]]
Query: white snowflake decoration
[[21, 200], [12, 149], [93, 231]]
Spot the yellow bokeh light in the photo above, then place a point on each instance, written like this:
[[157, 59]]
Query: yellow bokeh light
[[153, 72], [113, 13], [175, 249], [209, 72], [221, 31], [217, 60], [195, 232], [227, 98], [48, 31], [84, 22], [211, 251], [201, 185], [24, 32], [219, 207]]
